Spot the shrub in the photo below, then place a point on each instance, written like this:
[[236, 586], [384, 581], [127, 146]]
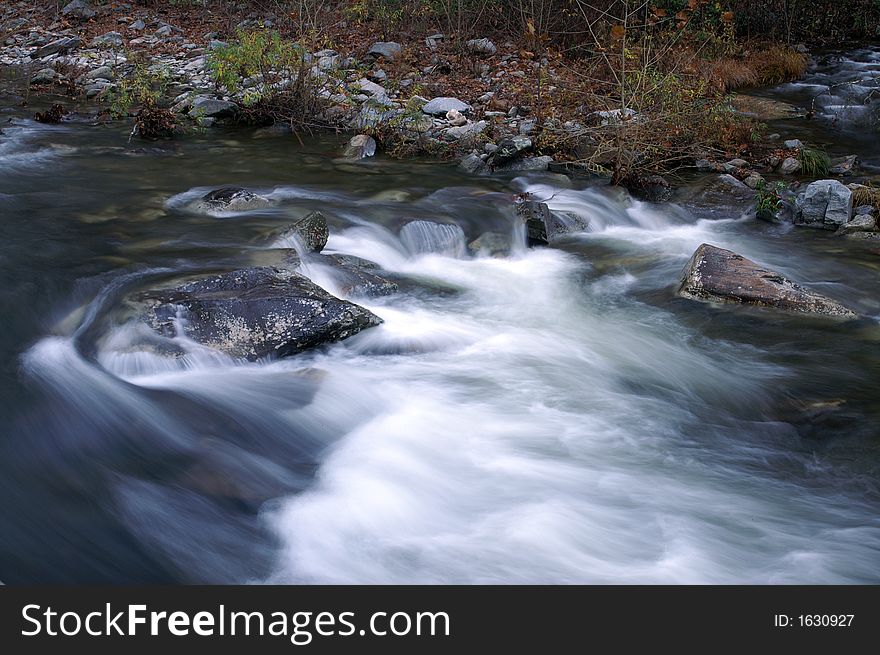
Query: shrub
[[284, 88]]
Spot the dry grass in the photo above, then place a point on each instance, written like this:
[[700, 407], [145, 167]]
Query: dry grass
[[866, 195], [765, 67]]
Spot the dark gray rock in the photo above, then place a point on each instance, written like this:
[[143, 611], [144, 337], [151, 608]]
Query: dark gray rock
[[527, 164], [844, 166], [108, 40], [58, 46], [543, 225], [474, 165], [45, 76], [861, 223], [510, 149], [254, 313], [309, 233], [359, 277], [79, 9], [208, 107], [717, 275], [719, 196], [231, 199]]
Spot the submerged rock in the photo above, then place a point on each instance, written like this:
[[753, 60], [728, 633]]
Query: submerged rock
[[231, 199], [824, 204], [254, 313], [717, 275], [493, 244], [359, 277]]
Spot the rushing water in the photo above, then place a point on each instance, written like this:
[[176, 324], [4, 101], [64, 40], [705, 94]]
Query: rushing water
[[557, 415]]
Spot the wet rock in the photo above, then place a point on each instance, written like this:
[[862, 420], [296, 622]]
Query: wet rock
[[441, 106], [718, 196], [474, 164], [481, 47], [790, 166], [359, 277], [208, 107], [254, 313], [861, 223], [764, 109], [310, 233], [543, 226], [78, 9], [384, 49], [717, 275], [360, 146], [527, 164], [232, 199], [844, 166], [58, 46], [492, 244], [653, 188], [824, 204]]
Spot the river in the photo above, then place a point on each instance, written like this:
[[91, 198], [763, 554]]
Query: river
[[555, 416]]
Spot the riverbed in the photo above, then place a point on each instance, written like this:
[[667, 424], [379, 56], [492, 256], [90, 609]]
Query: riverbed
[[556, 415]]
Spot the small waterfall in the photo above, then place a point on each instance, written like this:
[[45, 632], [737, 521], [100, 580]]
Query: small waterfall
[[424, 237]]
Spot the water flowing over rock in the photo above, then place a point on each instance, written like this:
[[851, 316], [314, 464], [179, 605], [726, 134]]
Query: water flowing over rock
[[255, 313], [825, 204], [310, 233], [717, 275], [232, 199], [422, 237], [543, 225], [359, 277]]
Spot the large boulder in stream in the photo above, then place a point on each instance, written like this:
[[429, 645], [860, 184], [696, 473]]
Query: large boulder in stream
[[255, 312], [717, 275], [717, 196], [826, 204]]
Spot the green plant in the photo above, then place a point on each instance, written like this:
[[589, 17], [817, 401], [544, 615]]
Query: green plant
[[143, 86], [814, 162], [768, 199], [282, 86]]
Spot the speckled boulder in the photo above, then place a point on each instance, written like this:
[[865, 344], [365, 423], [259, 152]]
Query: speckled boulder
[[255, 313]]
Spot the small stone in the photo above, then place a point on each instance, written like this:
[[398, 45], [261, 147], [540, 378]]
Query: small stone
[[138, 25], [754, 180], [44, 76], [793, 144], [360, 147], [844, 166], [861, 223], [481, 47], [456, 118]]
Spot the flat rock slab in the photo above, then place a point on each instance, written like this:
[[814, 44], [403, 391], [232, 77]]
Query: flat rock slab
[[717, 275], [764, 109], [254, 313]]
